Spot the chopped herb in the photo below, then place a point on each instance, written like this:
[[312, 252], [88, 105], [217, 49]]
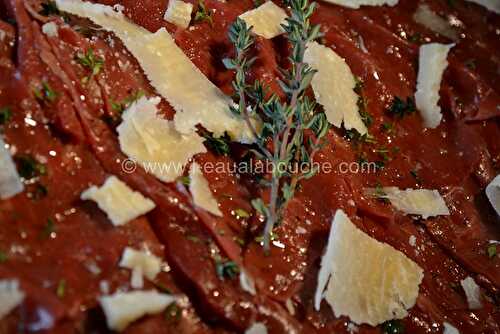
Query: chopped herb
[[226, 269], [414, 173], [185, 180], [387, 127], [471, 64], [219, 146], [192, 238], [162, 288], [415, 38], [48, 229], [362, 103], [356, 137], [239, 241], [393, 327], [400, 108], [45, 94], [365, 116], [120, 107], [28, 168], [3, 257], [61, 288], [5, 115], [492, 251], [380, 194], [240, 213], [39, 192], [90, 61], [380, 164], [49, 8], [203, 14], [173, 312]]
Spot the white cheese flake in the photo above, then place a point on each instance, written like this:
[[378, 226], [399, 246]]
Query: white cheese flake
[[200, 190], [257, 328], [358, 3], [492, 5], [50, 29], [118, 201], [333, 87], [194, 97], [432, 64], [424, 202], [371, 282], [266, 20], [429, 19], [179, 13], [10, 182], [472, 292], [449, 329], [123, 308], [10, 296], [246, 283], [153, 141], [141, 263], [493, 193]]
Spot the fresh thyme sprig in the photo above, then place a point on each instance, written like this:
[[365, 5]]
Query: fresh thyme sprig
[[292, 130]]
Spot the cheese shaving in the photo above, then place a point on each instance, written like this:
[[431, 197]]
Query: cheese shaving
[[179, 13], [371, 282], [257, 328], [200, 190], [333, 87], [426, 17], [492, 5], [358, 3], [141, 263], [493, 193], [266, 20], [432, 64], [472, 292], [10, 296], [118, 201], [123, 308], [449, 329], [423, 202], [195, 98], [154, 142], [10, 182], [50, 29]]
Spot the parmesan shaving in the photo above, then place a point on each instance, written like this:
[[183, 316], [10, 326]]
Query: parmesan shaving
[[179, 13], [333, 87], [492, 5], [257, 328], [493, 193], [154, 142], [50, 29], [371, 282], [195, 99], [200, 190], [266, 20], [358, 3], [118, 201], [423, 202], [10, 296], [449, 329], [10, 182], [141, 263], [123, 308], [472, 292], [432, 64], [426, 17]]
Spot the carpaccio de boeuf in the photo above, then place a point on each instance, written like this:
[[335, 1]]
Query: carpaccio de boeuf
[[65, 83]]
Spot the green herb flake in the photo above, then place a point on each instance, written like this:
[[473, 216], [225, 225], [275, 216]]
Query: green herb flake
[[414, 173], [203, 14], [39, 192], [28, 168], [401, 108], [226, 269], [173, 313], [393, 327], [240, 213], [185, 180], [5, 115], [48, 229], [45, 94], [91, 62], [220, 146], [61, 288], [193, 238], [492, 251], [387, 127], [3, 257], [120, 107]]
